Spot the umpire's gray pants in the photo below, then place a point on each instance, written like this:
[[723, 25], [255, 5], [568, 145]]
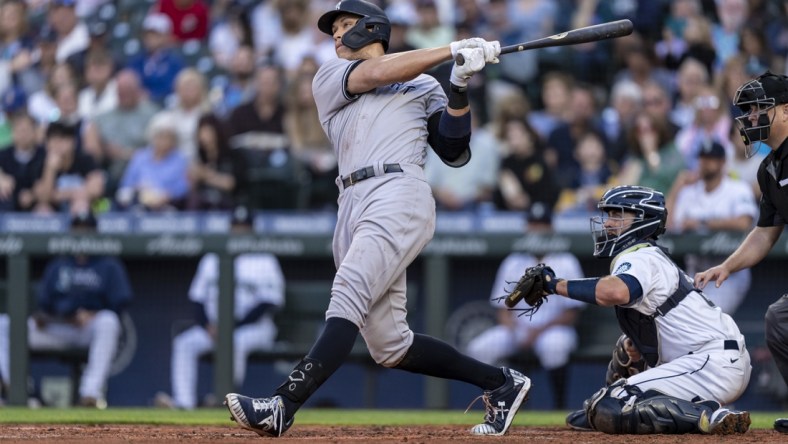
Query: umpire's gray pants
[[777, 333]]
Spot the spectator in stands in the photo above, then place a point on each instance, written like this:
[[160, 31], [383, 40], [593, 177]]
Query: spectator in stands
[[402, 15], [308, 141], [709, 200], [240, 82], [66, 100], [654, 160], [712, 121], [640, 65], [592, 178], [672, 46], [469, 187], [753, 47], [260, 123], [691, 76], [17, 165], [12, 101], [733, 15], [428, 31], [556, 93], [657, 104], [159, 63], [119, 133], [583, 117], [156, 177], [699, 44], [511, 106], [67, 180], [42, 104], [524, 177], [470, 14], [99, 42], [189, 104], [100, 94], [213, 171], [190, 18], [732, 75], [289, 34], [626, 101], [550, 332], [16, 47], [72, 32], [259, 293], [80, 302], [229, 32]]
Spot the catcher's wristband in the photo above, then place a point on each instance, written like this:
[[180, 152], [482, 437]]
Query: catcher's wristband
[[583, 290]]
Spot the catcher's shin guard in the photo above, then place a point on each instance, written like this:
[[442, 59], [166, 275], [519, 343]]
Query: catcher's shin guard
[[305, 378], [644, 413]]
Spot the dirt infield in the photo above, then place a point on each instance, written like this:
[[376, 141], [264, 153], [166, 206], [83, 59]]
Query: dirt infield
[[339, 434]]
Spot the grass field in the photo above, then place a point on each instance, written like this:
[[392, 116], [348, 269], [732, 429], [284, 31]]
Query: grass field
[[213, 417]]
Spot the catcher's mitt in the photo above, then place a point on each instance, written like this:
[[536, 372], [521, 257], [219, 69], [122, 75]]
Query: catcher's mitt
[[622, 365], [532, 288]]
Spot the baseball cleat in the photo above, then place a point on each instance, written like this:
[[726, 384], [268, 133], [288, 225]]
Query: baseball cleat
[[725, 422], [781, 425], [264, 416], [578, 420], [502, 404]]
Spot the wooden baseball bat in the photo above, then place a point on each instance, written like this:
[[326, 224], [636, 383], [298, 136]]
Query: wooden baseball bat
[[602, 31]]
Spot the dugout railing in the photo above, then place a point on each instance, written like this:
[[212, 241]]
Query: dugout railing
[[436, 263]]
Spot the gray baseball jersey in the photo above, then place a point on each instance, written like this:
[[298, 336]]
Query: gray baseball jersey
[[385, 221]]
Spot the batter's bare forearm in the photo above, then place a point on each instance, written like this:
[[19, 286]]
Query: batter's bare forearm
[[397, 67], [755, 247]]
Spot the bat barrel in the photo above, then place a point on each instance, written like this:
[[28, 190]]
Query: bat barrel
[[602, 31]]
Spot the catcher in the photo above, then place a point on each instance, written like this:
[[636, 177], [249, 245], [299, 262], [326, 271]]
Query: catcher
[[695, 359]]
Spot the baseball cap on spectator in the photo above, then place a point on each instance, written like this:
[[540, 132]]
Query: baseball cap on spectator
[[712, 149], [157, 22], [13, 100]]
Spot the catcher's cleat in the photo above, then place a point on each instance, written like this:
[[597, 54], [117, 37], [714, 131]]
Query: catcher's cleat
[[502, 404], [264, 416], [725, 422], [781, 425], [578, 420]]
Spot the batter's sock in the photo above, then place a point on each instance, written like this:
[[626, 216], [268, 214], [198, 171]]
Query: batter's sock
[[432, 357], [327, 354]]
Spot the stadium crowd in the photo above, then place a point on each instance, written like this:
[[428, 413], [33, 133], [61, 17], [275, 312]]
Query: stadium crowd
[[171, 105]]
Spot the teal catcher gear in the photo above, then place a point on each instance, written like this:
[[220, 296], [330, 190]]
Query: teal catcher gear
[[648, 206]]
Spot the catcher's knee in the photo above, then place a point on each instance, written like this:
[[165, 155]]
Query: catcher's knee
[[623, 409]]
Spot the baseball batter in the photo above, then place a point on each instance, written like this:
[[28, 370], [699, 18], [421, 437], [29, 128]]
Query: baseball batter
[[696, 355], [381, 113]]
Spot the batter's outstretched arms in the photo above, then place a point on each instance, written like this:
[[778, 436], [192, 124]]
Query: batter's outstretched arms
[[754, 248], [379, 69]]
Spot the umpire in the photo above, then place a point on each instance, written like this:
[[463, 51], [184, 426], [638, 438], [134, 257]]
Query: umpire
[[764, 104]]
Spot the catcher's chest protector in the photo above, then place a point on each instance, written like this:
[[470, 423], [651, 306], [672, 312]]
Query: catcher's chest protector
[[642, 329]]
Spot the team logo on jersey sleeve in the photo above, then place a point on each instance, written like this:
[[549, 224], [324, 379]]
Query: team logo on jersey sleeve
[[623, 268]]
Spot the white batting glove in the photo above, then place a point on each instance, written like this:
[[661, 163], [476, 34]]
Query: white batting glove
[[474, 62], [492, 49]]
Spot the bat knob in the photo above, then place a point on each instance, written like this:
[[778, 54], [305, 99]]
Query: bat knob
[[459, 60]]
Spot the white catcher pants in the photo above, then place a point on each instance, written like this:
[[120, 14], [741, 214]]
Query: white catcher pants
[[188, 346], [100, 337], [552, 347]]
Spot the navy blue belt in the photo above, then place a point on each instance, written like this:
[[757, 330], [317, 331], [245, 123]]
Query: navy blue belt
[[730, 344], [367, 172]]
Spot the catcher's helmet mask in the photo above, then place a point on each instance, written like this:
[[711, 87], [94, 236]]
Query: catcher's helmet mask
[[373, 25], [757, 98], [645, 206]]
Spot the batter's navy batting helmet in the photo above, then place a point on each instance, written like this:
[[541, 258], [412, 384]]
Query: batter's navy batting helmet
[[373, 26], [647, 204], [757, 97]]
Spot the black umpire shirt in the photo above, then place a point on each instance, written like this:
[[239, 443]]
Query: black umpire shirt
[[773, 181]]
